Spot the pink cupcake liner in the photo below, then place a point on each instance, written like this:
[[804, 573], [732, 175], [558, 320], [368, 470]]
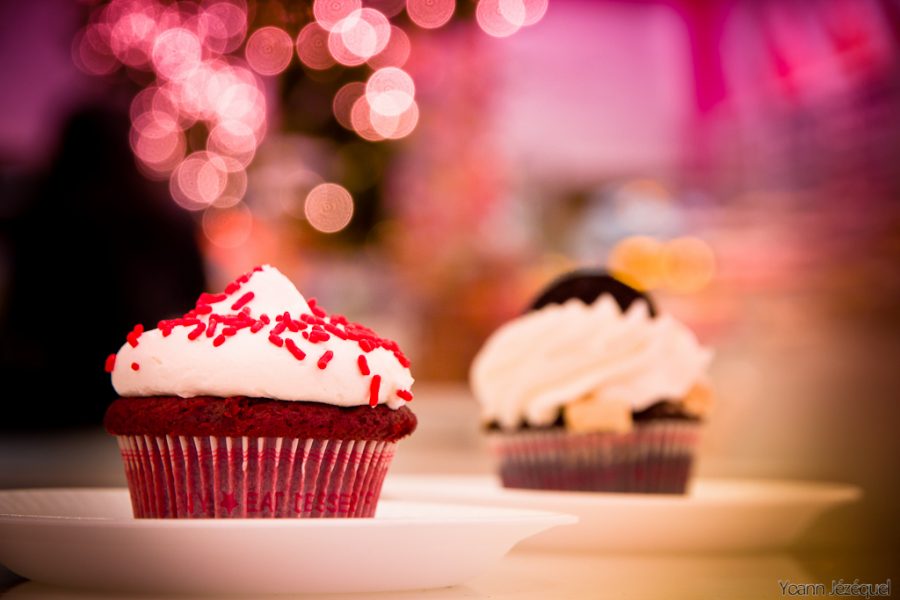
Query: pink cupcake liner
[[655, 457], [251, 477]]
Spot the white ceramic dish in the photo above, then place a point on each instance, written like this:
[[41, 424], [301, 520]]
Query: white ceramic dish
[[716, 514], [87, 538]]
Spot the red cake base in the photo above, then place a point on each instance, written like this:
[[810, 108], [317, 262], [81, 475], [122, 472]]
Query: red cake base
[[256, 417]]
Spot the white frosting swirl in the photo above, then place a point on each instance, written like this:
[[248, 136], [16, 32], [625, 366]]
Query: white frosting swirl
[[534, 365], [247, 363]]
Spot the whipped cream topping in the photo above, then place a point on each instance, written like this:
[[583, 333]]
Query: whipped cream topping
[[262, 339], [535, 365]]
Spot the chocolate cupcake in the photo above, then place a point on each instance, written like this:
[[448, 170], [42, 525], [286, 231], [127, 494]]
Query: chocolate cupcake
[[592, 390], [257, 403]]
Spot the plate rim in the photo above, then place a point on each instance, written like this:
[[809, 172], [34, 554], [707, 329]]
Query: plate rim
[[800, 491], [514, 515]]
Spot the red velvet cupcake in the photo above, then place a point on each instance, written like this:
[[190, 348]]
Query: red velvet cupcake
[[257, 403]]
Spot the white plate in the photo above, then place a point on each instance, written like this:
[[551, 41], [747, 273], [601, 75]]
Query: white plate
[[716, 514], [87, 538]]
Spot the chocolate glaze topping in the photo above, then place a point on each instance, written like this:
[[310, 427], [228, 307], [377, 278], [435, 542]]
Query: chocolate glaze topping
[[587, 285]]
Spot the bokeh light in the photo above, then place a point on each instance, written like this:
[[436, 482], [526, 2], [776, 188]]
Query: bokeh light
[[688, 264], [312, 47], [369, 32], [513, 11], [344, 100], [361, 119], [389, 8], [430, 14], [186, 45], [359, 36], [390, 91], [235, 182], [638, 261], [534, 11], [289, 188], [157, 141], [223, 26], [142, 102], [328, 207], [91, 55], [131, 38], [395, 127], [176, 53], [235, 139], [198, 181], [395, 54], [202, 97], [329, 12], [240, 102], [228, 227], [269, 50], [166, 101], [499, 18], [340, 52]]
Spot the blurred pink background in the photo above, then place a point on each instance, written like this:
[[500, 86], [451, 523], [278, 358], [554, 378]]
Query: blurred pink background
[[736, 158]]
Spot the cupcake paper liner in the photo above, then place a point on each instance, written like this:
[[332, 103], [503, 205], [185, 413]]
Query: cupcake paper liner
[[655, 457], [241, 477]]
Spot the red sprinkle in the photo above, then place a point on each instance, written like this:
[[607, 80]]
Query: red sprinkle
[[297, 352], [203, 309], [317, 335], [196, 331], [292, 325], [314, 307], [220, 339], [134, 334], [363, 364], [276, 340], [366, 345], [264, 318], [135, 367], [335, 331], [110, 363], [206, 298], [308, 318], [257, 326], [278, 329], [232, 287], [401, 358], [405, 395], [168, 324], [242, 301], [325, 358], [374, 385]]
